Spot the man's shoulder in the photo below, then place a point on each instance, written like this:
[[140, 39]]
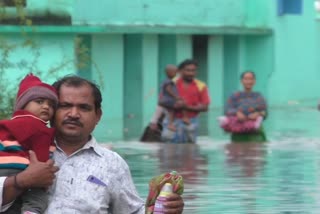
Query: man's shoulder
[[110, 160], [200, 85], [105, 151]]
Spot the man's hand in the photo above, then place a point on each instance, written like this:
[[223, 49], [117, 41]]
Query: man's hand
[[241, 116], [179, 104], [174, 204], [38, 174], [197, 108]]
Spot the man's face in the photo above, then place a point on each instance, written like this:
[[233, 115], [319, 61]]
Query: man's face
[[76, 116], [248, 81], [189, 72]]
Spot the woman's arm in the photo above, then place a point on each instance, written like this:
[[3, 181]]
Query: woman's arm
[[261, 109], [262, 106], [231, 106]]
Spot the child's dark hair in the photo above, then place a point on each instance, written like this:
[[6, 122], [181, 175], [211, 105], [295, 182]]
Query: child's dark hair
[[187, 62], [247, 72]]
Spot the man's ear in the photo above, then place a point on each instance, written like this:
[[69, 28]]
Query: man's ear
[[99, 115]]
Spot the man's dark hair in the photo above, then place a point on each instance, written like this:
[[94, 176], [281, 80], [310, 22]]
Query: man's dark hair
[[76, 81], [247, 72], [187, 62]]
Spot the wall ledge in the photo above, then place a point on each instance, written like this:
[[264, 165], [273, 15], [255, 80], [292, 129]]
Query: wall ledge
[[132, 29]]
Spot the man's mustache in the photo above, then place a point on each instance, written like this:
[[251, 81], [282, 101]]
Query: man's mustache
[[73, 122], [189, 78]]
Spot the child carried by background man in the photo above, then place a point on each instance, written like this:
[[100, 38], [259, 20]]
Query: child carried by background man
[[169, 97]]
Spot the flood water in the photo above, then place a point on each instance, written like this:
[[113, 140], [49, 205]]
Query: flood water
[[280, 176]]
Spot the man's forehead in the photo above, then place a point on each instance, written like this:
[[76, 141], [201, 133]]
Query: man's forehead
[[76, 103], [83, 88], [76, 93]]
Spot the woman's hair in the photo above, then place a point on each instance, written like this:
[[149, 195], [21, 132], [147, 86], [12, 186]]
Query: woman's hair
[[246, 72]]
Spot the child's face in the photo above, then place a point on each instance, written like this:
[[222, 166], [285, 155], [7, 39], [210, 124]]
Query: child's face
[[41, 107], [171, 73]]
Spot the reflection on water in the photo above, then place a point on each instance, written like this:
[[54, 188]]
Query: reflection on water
[[281, 176], [185, 159], [248, 158]]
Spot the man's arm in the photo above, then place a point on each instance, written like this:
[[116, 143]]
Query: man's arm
[[197, 108], [38, 174], [2, 184], [9, 190], [126, 199], [203, 104]]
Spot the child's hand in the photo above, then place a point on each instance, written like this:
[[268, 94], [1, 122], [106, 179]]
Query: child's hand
[[182, 102], [179, 99], [253, 116], [179, 103]]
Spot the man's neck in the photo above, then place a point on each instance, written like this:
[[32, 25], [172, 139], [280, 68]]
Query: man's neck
[[187, 82], [69, 147]]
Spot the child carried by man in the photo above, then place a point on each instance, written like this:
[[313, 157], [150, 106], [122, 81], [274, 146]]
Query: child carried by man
[[28, 129], [169, 97]]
